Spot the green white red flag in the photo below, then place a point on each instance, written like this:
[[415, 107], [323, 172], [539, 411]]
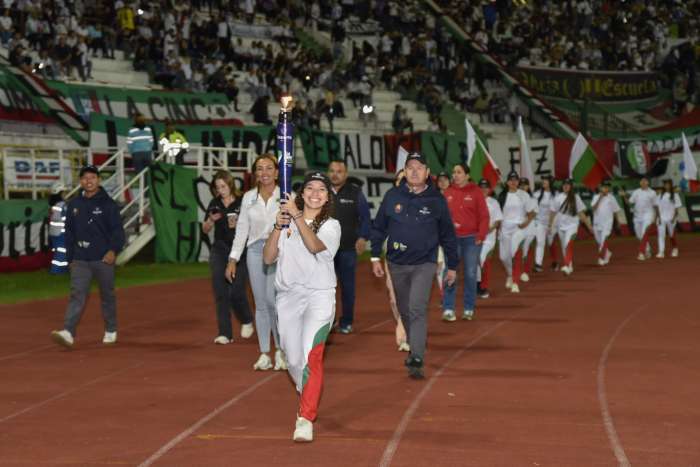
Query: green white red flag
[[584, 166], [480, 163]]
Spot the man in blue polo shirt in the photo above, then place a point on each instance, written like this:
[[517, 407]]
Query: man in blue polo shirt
[[94, 236], [415, 221]]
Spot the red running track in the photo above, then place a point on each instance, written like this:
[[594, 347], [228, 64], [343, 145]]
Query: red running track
[[597, 369]]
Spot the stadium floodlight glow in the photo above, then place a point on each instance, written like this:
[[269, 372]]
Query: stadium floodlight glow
[[41, 65], [140, 11], [367, 109]]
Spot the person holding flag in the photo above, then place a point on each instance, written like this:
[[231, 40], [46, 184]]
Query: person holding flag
[[544, 235], [518, 213], [530, 233], [669, 203], [604, 207], [568, 209]]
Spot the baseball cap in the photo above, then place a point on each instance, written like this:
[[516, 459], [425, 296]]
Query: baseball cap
[[605, 183], [414, 156], [90, 169], [443, 174], [568, 181], [524, 180], [483, 183], [513, 175], [318, 176]]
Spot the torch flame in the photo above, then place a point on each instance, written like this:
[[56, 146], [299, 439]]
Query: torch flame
[[286, 103]]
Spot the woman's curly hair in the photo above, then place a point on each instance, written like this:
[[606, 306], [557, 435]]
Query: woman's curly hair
[[321, 217]]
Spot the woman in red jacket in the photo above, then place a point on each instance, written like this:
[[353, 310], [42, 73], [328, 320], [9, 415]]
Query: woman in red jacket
[[471, 220]]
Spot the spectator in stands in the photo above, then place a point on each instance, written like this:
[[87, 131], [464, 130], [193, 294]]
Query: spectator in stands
[[45, 66], [400, 120], [260, 112], [174, 143], [481, 106], [62, 55], [6, 27]]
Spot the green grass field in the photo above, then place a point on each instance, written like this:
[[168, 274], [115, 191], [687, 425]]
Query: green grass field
[[40, 285]]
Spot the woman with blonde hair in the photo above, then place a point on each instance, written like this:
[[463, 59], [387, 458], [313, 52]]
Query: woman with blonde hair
[[222, 216], [259, 209]]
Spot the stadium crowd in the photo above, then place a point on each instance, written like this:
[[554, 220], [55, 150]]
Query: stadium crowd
[[250, 46]]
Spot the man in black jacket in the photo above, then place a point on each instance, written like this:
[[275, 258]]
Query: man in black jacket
[[352, 211], [94, 236], [415, 220]]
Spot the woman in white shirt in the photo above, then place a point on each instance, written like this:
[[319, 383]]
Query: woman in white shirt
[[605, 208], [543, 234], [518, 213], [530, 233], [645, 207], [305, 282], [258, 213], [669, 203], [568, 209], [495, 218]]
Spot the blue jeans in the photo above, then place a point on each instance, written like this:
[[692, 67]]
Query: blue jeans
[[345, 268], [469, 251]]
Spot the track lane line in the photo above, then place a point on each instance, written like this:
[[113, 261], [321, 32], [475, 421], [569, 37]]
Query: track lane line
[[608, 421]]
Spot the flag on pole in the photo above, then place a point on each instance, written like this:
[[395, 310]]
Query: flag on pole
[[401, 159], [525, 161], [480, 163], [690, 168], [584, 166]]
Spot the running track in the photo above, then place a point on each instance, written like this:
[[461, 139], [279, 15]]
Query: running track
[[600, 369]]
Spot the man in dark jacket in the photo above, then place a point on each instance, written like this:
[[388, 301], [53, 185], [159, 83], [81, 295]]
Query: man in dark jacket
[[414, 219], [352, 211], [94, 236]]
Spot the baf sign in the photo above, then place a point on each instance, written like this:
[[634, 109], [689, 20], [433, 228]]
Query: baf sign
[[19, 173]]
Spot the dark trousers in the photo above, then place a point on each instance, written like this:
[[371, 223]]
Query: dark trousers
[[141, 160], [345, 268], [81, 275], [229, 296]]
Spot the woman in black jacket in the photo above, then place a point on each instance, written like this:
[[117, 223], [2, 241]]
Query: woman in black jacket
[[222, 216]]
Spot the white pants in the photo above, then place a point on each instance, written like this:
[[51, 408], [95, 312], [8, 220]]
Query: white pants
[[486, 249], [304, 318], [545, 237], [530, 235], [601, 234], [641, 224], [566, 235], [664, 228], [509, 242]]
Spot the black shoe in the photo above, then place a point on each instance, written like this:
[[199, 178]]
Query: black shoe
[[555, 266], [483, 293], [415, 367], [415, 373], [538, 268]]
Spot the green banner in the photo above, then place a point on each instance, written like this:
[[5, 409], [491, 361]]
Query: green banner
[[442, 151], [173, 197], [24, 235], [154, 105], [111, 132]]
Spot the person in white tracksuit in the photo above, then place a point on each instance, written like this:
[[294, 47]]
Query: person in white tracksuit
[[569, 210], [669, 202], [645, 210], [305, 282], [545, 236], [495, 218], [530, 233], [517, 215], [604, 207]]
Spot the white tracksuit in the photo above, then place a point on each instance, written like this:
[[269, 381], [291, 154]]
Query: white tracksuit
[[668, 204], [543, 234], [644, 202], [511, 236], [567, 224], [305, 285], [604, 217]]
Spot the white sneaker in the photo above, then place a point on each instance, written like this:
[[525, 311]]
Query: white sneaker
[[674, 253], [247, 330], [304, 431], [404, 347], [524, 277], [468, 315], [509, 282], [64, 338], [448, 315], [659, 256], [601, 262], [264, 363], [222, 340], [514, 288], [280, 361], [110, 338], [641, 257], [567, 270], [608, 255]]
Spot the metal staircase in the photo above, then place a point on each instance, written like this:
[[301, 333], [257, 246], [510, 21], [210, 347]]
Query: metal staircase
[[131, 191]]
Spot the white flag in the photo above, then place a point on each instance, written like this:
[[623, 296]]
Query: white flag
[[401, 159], [690, 170], [525, 162], [471, 141]]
